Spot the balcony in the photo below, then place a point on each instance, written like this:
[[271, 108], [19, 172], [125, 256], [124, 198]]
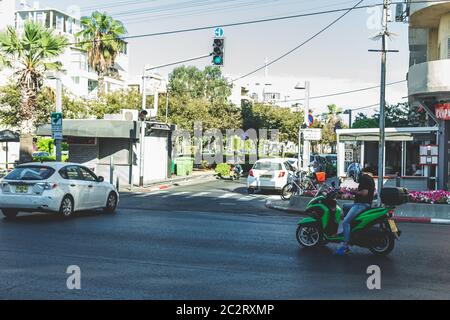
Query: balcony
[[427, 15], [429, 78]]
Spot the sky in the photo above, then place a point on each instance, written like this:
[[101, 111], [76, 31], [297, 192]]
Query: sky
[[337, 60]]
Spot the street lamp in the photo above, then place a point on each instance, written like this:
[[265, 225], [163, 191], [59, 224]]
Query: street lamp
[[350, 117], [305, 87]]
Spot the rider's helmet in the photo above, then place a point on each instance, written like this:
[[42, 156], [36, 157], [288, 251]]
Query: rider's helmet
[[354, 171]]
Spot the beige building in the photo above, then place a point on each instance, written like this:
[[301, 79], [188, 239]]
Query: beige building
[[429, 72]]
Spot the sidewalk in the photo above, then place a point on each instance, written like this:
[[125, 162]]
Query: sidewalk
[[410, 212], [196, 177]]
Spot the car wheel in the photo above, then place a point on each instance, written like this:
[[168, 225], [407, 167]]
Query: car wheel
[[66, 209], [111, 203], [251, 191], [10, 213]]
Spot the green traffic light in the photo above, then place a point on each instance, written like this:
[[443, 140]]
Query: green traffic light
[[218, 60]]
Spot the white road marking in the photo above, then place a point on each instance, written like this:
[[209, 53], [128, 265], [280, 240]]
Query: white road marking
[[179, 194], [247, 198], [227, 195], [200, 194]]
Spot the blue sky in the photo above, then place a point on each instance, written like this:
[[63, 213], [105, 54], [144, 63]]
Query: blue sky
[[337, 60]]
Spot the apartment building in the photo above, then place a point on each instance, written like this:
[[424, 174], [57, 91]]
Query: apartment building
[[429, 72], [77, 77]]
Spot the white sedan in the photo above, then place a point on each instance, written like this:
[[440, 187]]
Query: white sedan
[[269, 174], [55, 187]]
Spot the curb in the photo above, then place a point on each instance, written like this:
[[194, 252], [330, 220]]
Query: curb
[[170, 184], [421, 220]]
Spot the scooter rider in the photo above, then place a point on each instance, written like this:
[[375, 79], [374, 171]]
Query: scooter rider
[[363, 201]]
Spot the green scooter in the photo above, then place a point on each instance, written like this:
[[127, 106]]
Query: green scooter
[[374, 229]]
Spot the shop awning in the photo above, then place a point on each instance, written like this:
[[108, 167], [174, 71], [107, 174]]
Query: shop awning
[[94, 129], [9, 136], [392, 134]]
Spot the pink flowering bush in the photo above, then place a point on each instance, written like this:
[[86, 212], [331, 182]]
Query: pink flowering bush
[[432, 197]]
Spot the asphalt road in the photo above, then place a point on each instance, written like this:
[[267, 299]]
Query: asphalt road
[[207, 241]]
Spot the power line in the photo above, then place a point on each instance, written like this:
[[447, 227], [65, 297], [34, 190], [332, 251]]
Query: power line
[[342, 93], [301, 44], [162, 33], [181, 61]]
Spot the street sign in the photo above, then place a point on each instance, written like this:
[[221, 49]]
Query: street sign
[[219, 32], [310, 120], [57, 126], [312, 134]]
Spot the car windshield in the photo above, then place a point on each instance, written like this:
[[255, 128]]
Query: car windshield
[[30, 173], [270, 166]]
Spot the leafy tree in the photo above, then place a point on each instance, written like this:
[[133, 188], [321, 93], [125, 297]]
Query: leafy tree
[[363, 121], [11, 101], [31, 54], [264, 116], [331, 121], [397, 116], [200, 95], [101, 38]]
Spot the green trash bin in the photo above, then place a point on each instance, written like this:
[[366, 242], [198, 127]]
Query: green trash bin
[[184, 166]]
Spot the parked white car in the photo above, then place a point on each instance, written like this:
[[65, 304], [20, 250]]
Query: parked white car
[[269, 174], [55, 187]]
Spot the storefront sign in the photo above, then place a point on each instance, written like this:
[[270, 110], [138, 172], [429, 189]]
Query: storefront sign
[[443, 111]]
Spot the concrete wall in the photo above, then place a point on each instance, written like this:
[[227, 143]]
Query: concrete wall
[[443, 36], [13, 153]]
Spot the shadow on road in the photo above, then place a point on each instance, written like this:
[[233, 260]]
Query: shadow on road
[[43, 218], [324, 259]]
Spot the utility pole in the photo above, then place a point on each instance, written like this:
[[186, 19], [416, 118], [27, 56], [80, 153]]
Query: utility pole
[[143, 124], [381, 152], [58, 140], [304, 163]]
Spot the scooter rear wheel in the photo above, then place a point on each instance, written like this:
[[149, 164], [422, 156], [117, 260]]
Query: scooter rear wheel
[[386, 245]]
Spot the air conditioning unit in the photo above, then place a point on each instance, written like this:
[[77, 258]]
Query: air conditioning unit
[[129, 114]]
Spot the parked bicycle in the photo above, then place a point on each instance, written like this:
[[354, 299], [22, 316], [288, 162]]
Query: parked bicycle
[[302, 181]]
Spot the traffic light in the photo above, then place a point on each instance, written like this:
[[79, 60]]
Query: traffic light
[[218, 51]]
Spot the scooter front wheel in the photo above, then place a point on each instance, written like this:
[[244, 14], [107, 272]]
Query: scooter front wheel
[[309, 236], [287, 192]]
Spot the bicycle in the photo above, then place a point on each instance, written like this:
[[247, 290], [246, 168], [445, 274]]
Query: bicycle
[[300, 182]]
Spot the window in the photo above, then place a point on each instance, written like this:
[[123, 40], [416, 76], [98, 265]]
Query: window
[[30, 173], [87, 174], [76, 80], [70, 173], [269, 166]]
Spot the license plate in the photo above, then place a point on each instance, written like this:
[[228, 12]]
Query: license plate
[[21, 189], [266, 177], [393, 226]]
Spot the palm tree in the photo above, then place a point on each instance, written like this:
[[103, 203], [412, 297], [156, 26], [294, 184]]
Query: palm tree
[[30, 54], [101, 37]]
